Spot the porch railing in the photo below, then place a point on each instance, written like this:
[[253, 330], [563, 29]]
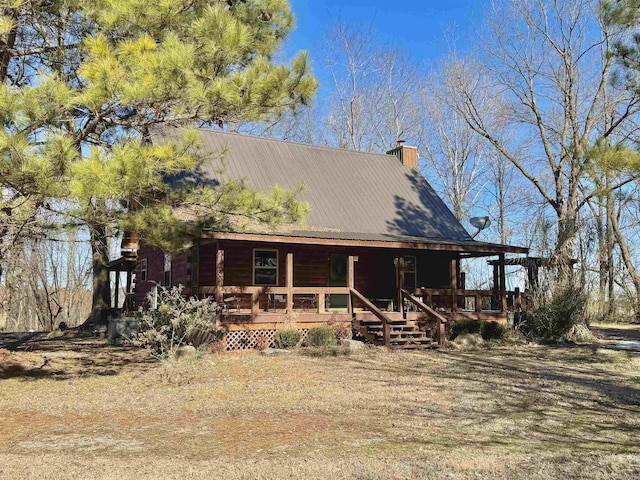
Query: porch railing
[[449, 299], [252, 295], [313, 299], [441, 321], [386, 330]]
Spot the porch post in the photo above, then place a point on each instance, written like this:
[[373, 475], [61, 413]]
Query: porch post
[[496, 286], [129, 275], [453, 274], [351, 281], [517, 300], [400, 281], [503, 285], [116, 297], [219, 275], [321, 302], [289, 280]]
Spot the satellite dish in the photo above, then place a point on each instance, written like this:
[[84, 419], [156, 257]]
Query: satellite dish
[[480, 223]]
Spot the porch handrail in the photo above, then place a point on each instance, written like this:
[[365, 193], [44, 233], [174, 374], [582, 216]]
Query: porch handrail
[[440, 319], [264, 289], [386, 332]]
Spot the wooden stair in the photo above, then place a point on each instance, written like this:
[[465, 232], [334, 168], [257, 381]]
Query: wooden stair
[[404, 335]]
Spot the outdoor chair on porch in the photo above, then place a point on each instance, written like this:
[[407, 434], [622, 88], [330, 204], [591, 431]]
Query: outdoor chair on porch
[[230, 303], [276, 301], [308, 302]]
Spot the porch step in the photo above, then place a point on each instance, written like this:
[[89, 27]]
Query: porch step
[[392, 321], [414, 346], [403, 335], [393, 328]]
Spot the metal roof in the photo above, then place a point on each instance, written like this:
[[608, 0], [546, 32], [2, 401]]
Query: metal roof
[[354, 195]]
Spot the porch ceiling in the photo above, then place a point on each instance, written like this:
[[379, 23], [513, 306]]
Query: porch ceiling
[[346, 239]]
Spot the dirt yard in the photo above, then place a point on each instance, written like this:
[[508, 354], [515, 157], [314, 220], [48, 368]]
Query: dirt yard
[[75, 408]]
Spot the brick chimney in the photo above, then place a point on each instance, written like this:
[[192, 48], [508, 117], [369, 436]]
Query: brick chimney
[[408, 156]]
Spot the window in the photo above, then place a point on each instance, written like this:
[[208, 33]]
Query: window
[[410, 279], [143, 270], [167, 270], [265, 267]]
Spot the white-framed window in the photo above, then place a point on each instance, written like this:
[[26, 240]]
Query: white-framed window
[[265, 267], [410, 272], [143, 270], [166, 281]]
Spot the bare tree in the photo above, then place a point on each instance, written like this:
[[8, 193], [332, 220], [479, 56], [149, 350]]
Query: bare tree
[[374, 87], [47, 282], [549, 64], [451, 151]]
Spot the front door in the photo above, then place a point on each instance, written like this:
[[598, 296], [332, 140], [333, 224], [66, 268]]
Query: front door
[[338, 265]]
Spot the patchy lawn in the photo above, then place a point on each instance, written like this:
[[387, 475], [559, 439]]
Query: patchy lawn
[[77, 409]]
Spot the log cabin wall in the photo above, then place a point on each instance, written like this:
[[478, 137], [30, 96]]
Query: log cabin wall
[[180, 272], [374, 270]]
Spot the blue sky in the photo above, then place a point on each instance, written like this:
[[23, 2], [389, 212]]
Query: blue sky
[[416, 27]]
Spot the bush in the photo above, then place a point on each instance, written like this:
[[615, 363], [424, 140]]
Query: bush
[[178, 321], [492, 331], [488, 330], [553, 317], [342, 330], [321, 337], [333, 351], [287, 338], [465, 326]]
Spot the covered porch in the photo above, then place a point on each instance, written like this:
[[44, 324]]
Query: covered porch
[[386, 280]]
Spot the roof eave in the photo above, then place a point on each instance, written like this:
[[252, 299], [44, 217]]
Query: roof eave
[[445, 245]]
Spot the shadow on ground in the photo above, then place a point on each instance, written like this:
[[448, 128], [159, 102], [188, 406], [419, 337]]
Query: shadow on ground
[[35, 356]]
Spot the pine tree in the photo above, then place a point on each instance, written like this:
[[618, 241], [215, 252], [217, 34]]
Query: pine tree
[[83, 82]]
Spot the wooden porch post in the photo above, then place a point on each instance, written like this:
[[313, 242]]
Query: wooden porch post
[[289, 282], [219, 275], [321, 302], [129, 279], [400, 281], [351, 281], [116, 297], [453, 273], [517, 300], [503, 285], [496, 286]]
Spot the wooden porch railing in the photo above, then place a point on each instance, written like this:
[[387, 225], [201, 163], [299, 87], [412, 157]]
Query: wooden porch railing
[[288, 292], [430, 312], [386, 331], [502, 300]]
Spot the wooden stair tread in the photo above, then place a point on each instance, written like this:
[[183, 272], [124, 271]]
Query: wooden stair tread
[[415, 346]]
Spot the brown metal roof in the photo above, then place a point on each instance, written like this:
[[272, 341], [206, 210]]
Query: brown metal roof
[[354, 195]]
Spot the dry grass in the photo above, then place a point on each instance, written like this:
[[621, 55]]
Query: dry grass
[[71, 410]]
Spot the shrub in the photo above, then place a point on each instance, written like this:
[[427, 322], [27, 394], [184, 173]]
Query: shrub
[[287, 338], [553, 317], [488, 330], [492, 330], [321, 337], [177, 321], [262, 342], [217, 347], [333, 351], [465, 326], [342, 330]]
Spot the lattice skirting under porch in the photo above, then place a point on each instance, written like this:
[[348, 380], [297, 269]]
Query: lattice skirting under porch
[[250, 339]]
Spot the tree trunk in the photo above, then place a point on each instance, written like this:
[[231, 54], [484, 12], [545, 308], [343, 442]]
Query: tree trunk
[[609, 246], [627, 258], [563, 254], [100, 258]]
